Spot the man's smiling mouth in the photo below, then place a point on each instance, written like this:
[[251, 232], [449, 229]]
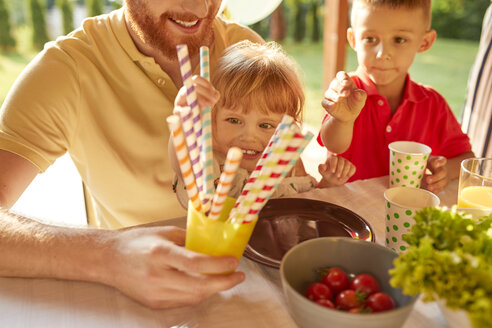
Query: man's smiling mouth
[[185, 23]]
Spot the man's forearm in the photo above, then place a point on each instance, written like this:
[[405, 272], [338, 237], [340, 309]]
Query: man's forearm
[[32, 249]]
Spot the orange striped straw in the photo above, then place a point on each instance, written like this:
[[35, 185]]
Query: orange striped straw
[[184, 161], [233, 159]]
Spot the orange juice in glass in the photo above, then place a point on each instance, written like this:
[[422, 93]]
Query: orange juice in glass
[[475, 184], [216, 237]]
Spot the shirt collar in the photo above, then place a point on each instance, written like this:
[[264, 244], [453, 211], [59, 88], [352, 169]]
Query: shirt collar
[[413, 91], [121, 32]]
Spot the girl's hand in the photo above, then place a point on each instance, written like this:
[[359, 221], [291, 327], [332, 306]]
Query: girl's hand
[[206, 93], [335, 172]]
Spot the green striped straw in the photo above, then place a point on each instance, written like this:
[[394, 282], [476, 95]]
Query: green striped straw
[[206, 149]]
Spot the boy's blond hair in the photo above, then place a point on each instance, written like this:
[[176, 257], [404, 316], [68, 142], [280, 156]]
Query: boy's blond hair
[[253, 75], [426, 5]]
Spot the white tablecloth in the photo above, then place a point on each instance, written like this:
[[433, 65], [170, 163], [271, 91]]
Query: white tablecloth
[[257, 302]]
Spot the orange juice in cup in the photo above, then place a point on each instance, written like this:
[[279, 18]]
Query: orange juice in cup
[[216, 237], [475, 184], [475, 197]]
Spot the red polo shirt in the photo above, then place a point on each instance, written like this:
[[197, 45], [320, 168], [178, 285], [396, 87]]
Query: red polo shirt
[[423, 116]]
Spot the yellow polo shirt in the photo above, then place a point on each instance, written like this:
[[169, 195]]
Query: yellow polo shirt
[[93, 94]]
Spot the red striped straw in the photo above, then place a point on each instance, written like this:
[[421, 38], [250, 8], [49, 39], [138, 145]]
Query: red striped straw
[[191, 97], [274, 165], [284, 124], [233, 159], [206, 150], [184, 161], [280, 171]]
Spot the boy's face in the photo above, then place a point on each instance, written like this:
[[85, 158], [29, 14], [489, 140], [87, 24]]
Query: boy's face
[[386, 41], [250, 132]]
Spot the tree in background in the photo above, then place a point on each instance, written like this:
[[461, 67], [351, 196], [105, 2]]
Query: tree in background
[[94, 7], [262, 27], [278, 24], [458, 19], [299, 20], [315, 27], [67, 15], [115, 4], [7, 42], [38, 20]]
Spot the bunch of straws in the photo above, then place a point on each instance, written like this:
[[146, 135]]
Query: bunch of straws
[[191, 132], [279, 157]]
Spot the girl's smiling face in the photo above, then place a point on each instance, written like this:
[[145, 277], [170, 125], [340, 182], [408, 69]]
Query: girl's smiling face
[[250, 131]]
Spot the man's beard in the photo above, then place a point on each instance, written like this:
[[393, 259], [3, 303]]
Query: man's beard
[[159, 37]]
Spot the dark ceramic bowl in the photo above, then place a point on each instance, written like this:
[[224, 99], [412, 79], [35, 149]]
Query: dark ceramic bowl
[[286, 222]]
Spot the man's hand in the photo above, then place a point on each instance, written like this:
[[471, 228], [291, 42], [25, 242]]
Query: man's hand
[[151, 266], [335, 171], [207, 95], [343, 100], [439, 179]]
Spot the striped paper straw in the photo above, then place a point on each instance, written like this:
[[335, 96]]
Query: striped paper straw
[[284, 124], [184, 161], [233, 159], [191, 98], [191, 142], [282, 168], [206, 150], [274, 163]]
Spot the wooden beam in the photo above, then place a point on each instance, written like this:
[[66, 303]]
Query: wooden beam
[[334, 39]]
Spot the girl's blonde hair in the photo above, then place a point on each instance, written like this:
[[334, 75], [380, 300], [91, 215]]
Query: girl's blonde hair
[[263, 76]]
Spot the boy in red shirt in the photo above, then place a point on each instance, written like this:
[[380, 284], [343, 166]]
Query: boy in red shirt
[[379, 104]]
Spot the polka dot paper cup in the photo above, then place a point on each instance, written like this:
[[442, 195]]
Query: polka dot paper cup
[[408, 160], [401, 205]]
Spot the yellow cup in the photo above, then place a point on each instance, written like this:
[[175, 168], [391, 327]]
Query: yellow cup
[[216, 237]]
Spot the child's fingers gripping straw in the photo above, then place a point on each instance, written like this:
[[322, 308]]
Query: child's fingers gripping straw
[[207, 95]]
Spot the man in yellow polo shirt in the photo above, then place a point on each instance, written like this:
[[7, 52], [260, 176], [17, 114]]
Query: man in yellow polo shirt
[[102, 94]]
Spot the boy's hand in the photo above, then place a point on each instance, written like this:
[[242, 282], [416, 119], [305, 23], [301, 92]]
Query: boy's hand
[[207, 95], [343, 100], [439, 179], [335, 172]]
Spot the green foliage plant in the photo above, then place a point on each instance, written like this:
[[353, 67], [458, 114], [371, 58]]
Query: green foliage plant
[[38, 20], [7, 41], [94, 7], [315, 23], [458, 19], [299, 20], [66, 9], [450, 257]]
